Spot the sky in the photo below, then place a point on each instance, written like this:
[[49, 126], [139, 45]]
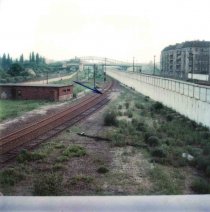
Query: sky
[[118, 29]]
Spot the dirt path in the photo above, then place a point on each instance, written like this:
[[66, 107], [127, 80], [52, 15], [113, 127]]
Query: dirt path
[[49, 80]]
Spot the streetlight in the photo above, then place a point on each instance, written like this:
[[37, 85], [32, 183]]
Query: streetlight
[[154, 65]]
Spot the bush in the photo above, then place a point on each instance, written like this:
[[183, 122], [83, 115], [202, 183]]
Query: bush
[[102, 170], [158, 152], [146, 98], [47, 185], [202, 163], [110, 119], [28, 156], [169, 117], [74, 151], [118, 140], [74, 95], [127, 105], [157, 106], [141, 127], [10, 177], [200, 186], [130, 114], [120, 107], [153, 141]]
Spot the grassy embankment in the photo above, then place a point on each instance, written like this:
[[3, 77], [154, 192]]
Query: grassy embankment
[[14, 108], [164, 135], [133, 121]]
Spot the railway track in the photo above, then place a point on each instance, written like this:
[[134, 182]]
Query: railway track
[[35, 133]]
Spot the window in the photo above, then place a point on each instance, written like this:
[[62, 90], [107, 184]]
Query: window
[[19, 93]]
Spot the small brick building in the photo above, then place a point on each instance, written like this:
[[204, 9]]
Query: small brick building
[[53, 92]]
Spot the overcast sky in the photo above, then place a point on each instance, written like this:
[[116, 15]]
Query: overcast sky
[[119, 29]]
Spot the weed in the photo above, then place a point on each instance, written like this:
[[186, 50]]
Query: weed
[[157, 106], [120, 107], [110, 119], [10, 177], [80, 179], [201, 186], [28, 156], [153, 141], [158, 152], [163, 182], [58, 166], [59, 146], [47, 185], [74, 151], [127, 105], [62, 158], [102, 170]]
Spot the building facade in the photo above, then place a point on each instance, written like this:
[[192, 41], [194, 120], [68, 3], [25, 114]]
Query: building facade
[[188, 57], [52, 92]]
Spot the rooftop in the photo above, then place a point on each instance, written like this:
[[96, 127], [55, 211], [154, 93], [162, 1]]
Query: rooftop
[[35, 85], [187, 44]]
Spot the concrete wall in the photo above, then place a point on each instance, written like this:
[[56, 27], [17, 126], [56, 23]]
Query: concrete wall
[[186, 98]]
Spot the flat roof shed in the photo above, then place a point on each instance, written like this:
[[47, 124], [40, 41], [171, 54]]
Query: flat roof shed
[[53, 92]]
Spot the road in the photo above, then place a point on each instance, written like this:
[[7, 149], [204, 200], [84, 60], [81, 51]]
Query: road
[[49, 80]]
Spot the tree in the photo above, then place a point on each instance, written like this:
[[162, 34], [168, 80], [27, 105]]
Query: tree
[[37, 58], [15, 69], [32, 57], [21, 59], [4, 61]]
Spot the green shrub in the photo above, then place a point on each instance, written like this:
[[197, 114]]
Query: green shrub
[[59, 146], [110, 119], [130, 114], [141, 126], [157, 106], [62, 158], [58, 166], [153, 141], [169, 117], [120, 107], [118, 139], [147, 135], [200, 186], [119, 113], [10, 177], [47, 185], [80, 179], [74, 95], [158, 152], [202, 163], [74, 151], [102, 170], [146, 98], [127, 105], [29, 156]]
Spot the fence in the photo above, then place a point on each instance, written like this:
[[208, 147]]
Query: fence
[[189, 99]]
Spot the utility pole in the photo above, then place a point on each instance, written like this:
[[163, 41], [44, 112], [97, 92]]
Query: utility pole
[[154, 65], [77, 74], [47, 76], [105, 70], [133, 64], [88, 73], [94, 75]]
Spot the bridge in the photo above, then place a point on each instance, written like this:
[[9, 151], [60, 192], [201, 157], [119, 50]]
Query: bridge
[[103, 61]]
